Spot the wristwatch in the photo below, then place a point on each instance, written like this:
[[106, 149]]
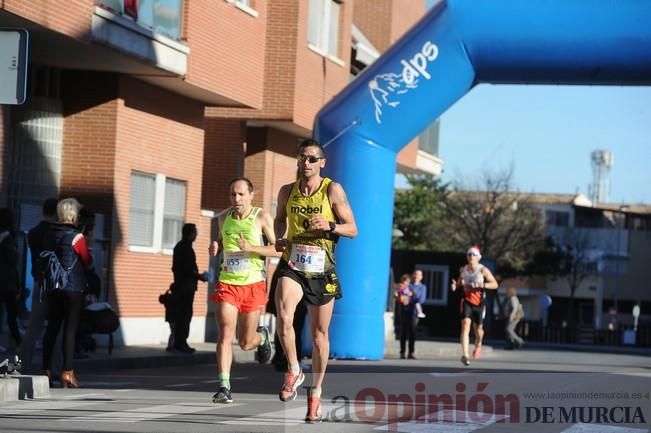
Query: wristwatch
[[333, 226]]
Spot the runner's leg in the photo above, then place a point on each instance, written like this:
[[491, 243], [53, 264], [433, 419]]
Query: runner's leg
[[465, 336], [320, 316], [226, 316], [247, 334], [288, 295]]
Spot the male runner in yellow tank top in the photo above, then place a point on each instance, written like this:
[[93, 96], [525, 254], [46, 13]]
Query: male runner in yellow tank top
[[311, 215], [241, 292]]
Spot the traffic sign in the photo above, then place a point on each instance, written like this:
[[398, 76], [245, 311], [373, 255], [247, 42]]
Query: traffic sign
[[13, 65]]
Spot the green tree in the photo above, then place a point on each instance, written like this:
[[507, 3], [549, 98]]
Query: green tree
[[417, 210]]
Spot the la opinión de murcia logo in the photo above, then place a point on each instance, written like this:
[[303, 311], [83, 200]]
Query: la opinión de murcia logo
[[387, 88], [467, 405]]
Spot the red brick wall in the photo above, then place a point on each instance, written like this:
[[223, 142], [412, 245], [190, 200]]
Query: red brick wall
[[157, 132], [223, 160], [405, 13], [270, 163], [319, 78], [407, 156], [280, 75], [72, 17], [227, 48], [297, 80], [384, 21], [88, 153], [279, 60], [373, 18]]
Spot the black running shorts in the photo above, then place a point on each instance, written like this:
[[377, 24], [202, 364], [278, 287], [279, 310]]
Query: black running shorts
[[474, 312], [317, 290]]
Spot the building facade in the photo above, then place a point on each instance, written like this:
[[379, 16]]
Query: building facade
[[610, 242], [145, 110]]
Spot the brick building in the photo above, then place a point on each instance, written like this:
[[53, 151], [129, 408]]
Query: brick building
[[145, 110]]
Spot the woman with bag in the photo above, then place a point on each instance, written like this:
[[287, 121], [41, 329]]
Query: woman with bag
[[66, 246]]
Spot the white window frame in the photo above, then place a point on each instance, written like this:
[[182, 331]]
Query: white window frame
[[244, 6], [445, 275], [179, 217], [322, 43], [159, 215]]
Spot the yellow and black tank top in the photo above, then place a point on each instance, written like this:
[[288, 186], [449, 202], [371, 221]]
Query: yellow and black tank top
[[309, 251], [239, 267]]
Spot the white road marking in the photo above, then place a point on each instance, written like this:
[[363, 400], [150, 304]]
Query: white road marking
[[634, 373], [79, 396], [601, 428], [423, 425], [286, 417], [99, 384], [147, 413], [31, 406]]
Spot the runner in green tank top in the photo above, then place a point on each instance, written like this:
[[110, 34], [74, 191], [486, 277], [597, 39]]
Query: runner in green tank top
[[312, 214], [241, 292]]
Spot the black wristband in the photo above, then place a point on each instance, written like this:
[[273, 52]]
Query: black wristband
[[333, 226]]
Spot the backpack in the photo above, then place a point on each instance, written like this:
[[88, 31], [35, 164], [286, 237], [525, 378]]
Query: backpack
[[519, 312], [54, 275]]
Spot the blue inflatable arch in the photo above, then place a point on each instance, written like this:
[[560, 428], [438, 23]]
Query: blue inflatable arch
[[457, 45]]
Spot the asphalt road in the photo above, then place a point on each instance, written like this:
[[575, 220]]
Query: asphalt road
[[522, 391]]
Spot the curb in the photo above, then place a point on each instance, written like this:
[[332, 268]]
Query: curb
[[156, 358], [19, 387]]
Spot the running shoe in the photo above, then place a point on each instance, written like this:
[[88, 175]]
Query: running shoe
[[264, 350], [476, 353], [222, 396], [313, 415], [292, 382], [465, 361]]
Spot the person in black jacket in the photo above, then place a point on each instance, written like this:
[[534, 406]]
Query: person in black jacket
[[9, 287], [39, 308], [65, 303], [186, 275]]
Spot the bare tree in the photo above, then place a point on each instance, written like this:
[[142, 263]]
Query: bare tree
[[505, 224], [569, 256]]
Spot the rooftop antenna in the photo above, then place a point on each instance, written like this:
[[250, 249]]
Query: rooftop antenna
[[599, 190]]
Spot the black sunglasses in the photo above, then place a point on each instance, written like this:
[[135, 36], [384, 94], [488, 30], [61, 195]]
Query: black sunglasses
[[309, 158]]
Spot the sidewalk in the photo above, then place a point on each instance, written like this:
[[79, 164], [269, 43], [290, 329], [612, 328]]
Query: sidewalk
[[154, 356]]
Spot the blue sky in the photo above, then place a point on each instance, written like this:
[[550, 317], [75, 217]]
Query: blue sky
[[548, 133]]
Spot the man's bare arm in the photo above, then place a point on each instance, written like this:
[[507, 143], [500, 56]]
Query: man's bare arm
[[346, 225], [266, 224], [489, 279], [217, 245], [280, 222]]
